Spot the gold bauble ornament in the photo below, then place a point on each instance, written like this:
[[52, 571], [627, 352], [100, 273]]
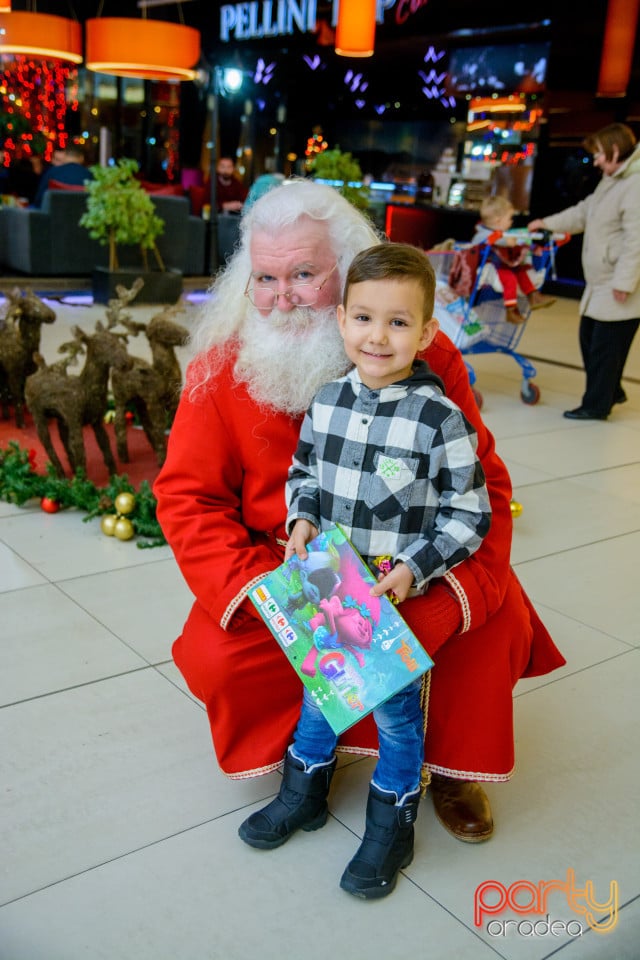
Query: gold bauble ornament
[[108, 524], [123, 529], [125, 502], [516, 509]]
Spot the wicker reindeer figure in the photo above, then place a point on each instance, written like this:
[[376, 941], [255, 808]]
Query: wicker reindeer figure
[[153, 389], [19, 340], [77, 400]]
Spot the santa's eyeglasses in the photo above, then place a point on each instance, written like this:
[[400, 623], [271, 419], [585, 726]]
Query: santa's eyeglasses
[[264, 294]]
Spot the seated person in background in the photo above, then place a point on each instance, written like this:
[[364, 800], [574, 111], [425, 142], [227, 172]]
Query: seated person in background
[[509, 257], [67, 166], [24, 177], [230, 192]]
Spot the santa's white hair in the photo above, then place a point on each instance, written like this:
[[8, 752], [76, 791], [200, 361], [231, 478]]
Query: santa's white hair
[[285, 357]]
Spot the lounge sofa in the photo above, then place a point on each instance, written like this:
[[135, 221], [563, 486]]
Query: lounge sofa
[[49, 241]]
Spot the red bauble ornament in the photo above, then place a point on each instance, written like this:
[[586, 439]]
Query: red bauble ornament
[[49, 505]]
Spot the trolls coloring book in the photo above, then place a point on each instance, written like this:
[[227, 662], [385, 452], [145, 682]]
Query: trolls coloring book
[[351, 650]]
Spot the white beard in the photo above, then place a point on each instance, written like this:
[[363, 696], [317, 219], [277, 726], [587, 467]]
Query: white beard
[[286, 357]]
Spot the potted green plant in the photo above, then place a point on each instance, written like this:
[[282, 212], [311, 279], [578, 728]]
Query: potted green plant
[[343, 169], [120, 212]]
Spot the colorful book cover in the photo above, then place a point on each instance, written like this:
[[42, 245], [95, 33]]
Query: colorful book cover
[[351, 650]]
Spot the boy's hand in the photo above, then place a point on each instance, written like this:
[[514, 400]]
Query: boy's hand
[[399, 581], [303, 531]]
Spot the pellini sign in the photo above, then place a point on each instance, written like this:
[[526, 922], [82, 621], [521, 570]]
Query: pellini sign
[[281, 18]]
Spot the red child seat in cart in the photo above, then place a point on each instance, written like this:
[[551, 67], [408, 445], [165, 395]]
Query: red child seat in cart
[[470, 306]]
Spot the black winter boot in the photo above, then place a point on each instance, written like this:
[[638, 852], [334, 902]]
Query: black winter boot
[[387, 845], [301, 803]]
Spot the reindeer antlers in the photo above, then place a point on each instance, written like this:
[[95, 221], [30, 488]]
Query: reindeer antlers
[[115, 308]]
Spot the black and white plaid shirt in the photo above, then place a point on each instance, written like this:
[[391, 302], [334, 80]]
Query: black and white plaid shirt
[[396, 468]]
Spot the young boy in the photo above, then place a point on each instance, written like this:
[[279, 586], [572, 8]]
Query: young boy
[[496, 217], [386, 455]]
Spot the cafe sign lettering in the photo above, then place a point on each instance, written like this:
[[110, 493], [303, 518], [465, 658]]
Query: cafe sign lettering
[[258, 19]]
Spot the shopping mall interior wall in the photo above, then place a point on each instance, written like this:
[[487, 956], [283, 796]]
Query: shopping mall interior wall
[[394, 150]]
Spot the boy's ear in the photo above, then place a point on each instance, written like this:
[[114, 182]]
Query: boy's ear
[[340, 313], [429, 331]]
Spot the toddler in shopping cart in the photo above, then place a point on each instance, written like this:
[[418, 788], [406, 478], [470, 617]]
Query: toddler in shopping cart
[[510, 257]]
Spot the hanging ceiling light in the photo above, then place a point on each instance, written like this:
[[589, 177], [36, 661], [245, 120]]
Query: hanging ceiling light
[[40, 35], [617, 48], [147, 49], [356, 28]]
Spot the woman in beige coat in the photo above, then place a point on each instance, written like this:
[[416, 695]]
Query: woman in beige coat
[[610, 305]]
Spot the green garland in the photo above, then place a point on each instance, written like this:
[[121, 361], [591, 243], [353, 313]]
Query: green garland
[[19, 483]]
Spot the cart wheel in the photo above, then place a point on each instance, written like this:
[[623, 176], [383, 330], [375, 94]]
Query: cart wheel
[[530, 393], [478, 397]]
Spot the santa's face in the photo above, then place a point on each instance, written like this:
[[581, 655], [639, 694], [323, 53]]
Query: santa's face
[[294, 268]]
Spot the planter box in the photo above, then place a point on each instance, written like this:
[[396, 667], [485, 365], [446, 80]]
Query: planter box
[[159, 287]]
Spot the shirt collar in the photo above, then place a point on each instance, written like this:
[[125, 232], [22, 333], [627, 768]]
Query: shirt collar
[[395, 391]]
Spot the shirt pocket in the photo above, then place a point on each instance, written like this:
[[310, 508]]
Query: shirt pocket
[[388, 491]]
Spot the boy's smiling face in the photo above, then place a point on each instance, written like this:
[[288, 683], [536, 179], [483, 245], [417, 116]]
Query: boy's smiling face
[[383, 328]]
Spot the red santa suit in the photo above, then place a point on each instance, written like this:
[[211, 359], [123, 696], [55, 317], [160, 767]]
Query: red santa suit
[[221, 506]]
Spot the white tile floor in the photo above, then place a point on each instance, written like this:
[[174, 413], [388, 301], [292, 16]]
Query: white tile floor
[[118, 832]]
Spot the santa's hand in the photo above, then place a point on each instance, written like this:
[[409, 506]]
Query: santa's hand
[[303, 532], [398, 582]]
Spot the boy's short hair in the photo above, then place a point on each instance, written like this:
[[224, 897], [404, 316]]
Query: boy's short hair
[[493, 207], [394, 261]]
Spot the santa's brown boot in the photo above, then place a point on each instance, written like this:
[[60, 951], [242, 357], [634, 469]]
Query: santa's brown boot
[[462, 807]]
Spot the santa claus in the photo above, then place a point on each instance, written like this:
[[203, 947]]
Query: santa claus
[[265, 342]]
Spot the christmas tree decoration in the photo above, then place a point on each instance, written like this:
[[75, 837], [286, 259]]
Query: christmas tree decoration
[[20, 483], [123, 529], [108, 524], [119, 525], [125, 502], [316, 144], [516, 509]]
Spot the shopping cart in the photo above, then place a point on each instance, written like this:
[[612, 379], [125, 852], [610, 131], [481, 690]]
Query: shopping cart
[[470, 306]]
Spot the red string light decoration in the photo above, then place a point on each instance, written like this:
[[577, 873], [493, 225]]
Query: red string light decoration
[[173, 144], [35, 97]]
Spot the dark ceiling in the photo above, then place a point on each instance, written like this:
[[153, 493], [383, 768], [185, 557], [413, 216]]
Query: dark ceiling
[[325, 95], [576, 37]]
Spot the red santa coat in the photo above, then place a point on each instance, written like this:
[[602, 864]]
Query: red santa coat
[[221, 506]]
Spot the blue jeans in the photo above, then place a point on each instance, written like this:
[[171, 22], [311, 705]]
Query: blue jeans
[[400, 736]]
